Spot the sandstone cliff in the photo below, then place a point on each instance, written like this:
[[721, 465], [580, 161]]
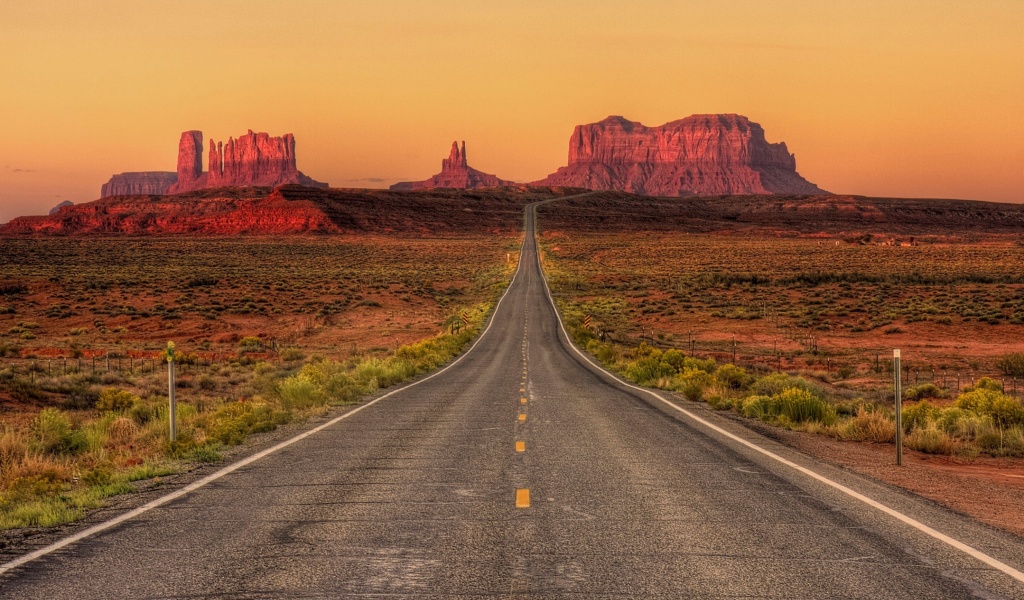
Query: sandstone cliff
[[254, 159], [699, 155], [140, 183], [455, 173]]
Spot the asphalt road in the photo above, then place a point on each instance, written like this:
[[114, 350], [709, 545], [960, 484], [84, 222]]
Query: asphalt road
[[416, 495]]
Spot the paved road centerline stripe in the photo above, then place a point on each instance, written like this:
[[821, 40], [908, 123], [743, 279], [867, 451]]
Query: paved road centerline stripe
[[522, 498], [520, 446], [522, 417], [970, 551]]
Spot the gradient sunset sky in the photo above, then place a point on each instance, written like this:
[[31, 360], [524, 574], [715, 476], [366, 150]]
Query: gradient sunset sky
[[909, 98]]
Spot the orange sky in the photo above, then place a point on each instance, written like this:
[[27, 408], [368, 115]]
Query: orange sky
[[919, 98]]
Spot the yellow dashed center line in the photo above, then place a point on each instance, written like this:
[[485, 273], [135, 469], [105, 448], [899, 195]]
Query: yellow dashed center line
[[520, 446], [524, 400], [522, 417], [522, 498]]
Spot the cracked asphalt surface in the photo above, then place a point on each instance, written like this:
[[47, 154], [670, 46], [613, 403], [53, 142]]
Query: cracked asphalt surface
[[415, 496]]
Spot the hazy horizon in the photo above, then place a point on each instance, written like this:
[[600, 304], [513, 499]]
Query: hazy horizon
[[873, 99]]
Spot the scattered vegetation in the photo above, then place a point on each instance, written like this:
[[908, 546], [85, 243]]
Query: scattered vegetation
[[982, 419], [65, 462]]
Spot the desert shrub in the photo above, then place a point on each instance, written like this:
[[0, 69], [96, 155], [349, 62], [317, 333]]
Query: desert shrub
[[692, 383], [1012, 365], [799, 406], [52, 433], [142, 413], [986, 384], [233, 422], [122, 431], [931, 440], [648, 369], [299, 392], [762, 408], [1006, 411], [792, 405], [918, 415], [605, 353], [206, 382], [732, 376], [113, 399], [379, 373], [977, 400], [925, 390], [777, 383], [250, 343], [292, 354], [867, 426]]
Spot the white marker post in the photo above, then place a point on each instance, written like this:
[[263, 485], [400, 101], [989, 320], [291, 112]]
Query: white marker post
[[899, 405], [170, 390]]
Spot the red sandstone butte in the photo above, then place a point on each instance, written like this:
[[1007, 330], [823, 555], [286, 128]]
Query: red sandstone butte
[[701, 155], [455, 173], [254, 159]]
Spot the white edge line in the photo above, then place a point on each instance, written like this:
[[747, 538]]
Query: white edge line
[[99, 527], [970, 551]]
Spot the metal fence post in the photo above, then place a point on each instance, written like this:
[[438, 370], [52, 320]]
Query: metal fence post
[[899, 406], [170, 391]]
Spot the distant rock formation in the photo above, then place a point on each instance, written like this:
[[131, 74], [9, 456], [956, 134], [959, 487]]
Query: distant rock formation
[[455, 173], [57, 208], [254, 159], [289, 209], [144, 183], [703, 155]]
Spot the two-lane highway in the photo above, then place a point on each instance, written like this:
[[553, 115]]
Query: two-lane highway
[[524, 471]]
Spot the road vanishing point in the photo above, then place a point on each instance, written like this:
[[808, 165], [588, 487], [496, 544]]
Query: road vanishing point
[[522, 470]]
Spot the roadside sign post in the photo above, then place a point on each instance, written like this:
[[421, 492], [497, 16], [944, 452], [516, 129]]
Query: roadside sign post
[[172, 417], [899, 405]]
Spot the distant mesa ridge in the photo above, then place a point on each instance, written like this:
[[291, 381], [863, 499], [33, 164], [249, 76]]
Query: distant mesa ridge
[[253, 159], [455, 173], [144, 183], [701, 155]]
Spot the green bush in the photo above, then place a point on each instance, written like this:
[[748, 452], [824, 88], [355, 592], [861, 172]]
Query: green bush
[[925, 390], [115, 400], [299, 392], [776, 383], [692, 383], [1012, 365], [52, 433], [733, 377], [919, 415]]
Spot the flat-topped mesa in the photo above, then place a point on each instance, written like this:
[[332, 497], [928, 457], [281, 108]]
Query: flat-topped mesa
[[455, 173], [144, 183], [699, 155], [254, 159]]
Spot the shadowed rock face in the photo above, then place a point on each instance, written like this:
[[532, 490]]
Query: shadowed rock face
[[254, 159], [700, 155], [455, 173], [140, 183]]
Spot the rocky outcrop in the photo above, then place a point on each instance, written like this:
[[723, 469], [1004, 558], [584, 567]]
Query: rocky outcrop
[[139, 184], [290, 209], [703, 155], [254, 159], [455, 173], [190, 161], [57, 208]]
